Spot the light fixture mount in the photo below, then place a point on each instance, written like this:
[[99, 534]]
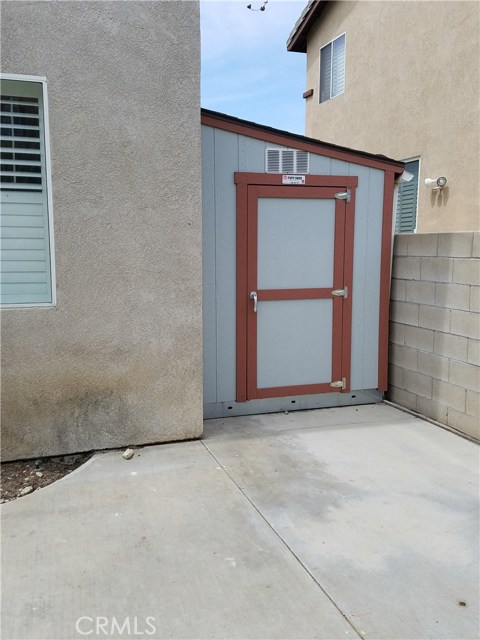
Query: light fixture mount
[[436, 183]]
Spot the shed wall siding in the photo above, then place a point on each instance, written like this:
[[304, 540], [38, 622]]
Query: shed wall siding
[[223, 153]]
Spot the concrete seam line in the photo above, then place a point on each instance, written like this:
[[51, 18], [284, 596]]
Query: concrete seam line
[[465, 436], [344, 615]]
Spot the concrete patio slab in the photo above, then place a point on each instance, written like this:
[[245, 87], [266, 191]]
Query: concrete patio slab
[[165, 535], [383, 514], [335, 523]]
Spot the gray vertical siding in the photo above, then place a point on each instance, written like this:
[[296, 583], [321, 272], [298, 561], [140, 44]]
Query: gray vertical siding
[[223, 153]]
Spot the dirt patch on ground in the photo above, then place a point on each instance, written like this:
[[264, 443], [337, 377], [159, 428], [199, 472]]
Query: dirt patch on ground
[[25, 476]]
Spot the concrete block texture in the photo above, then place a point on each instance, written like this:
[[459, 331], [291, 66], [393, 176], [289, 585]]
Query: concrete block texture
[[466, 271], [432, 409], [446, 344], [419, 338], [433, 365], [405, 357], [473, 353], [418, 291], [475, 299], [119, 361], [434, 318], [476, 245], [407, 268], [400, 244], [465, 323], [397, 333], [436, 269], [404, 313], [449, 394], [417, 383], [464, 375], [451, 296], [463, 422], [402, 397], [422, 244], [457, 245], [473, 403], [396, 376], [436, 365], [397, 291]]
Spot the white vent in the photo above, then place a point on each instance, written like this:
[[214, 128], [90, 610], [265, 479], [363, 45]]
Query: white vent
[[287, 161], [21, 166]]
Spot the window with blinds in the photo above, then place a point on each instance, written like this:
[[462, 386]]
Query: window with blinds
[[332, 69], [25, 233], [21, 165], [407, 199]]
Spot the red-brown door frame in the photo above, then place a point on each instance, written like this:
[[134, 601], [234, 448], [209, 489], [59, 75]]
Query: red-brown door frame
[[249, 188]]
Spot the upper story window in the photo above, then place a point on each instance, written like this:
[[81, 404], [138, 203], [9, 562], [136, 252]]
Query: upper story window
[[332, 69], [407, 200], [26, 267]]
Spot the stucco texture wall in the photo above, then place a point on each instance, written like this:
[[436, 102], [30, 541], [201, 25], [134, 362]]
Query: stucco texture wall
[[411, 89], [119, 361]]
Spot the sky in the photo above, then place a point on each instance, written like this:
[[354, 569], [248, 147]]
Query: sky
[[247, 71]]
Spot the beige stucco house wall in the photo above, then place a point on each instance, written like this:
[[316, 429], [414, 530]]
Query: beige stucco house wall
[[119, 360], [411, 90]]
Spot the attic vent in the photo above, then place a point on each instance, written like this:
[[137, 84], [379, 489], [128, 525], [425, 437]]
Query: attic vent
[[287, 161], [21, 166]]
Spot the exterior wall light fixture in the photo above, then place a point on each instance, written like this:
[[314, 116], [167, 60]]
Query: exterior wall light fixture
[[436, 183]]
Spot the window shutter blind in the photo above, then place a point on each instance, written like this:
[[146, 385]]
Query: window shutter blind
[[325, 72], [406, 218], [338, 66], [24, 234]]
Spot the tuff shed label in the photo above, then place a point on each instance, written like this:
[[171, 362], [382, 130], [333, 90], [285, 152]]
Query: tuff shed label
[[289, 179]]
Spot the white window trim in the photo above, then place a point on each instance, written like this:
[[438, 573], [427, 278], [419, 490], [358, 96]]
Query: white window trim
[[331, 67], [48, 173], [331, 74]]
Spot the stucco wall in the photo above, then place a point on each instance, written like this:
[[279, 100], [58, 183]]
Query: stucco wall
[[435, 329], [411, 89], [119, 360]]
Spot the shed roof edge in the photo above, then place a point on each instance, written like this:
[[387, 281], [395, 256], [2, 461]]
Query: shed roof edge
[[279, 136]]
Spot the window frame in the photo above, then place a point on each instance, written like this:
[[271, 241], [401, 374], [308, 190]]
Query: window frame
[[48, 175], [405, 160], [330, 42]]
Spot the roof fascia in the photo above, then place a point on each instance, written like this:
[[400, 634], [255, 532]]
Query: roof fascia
[[298, 38], [284, 139]]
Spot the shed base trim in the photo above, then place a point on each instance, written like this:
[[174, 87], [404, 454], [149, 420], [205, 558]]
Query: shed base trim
[[290, 403]]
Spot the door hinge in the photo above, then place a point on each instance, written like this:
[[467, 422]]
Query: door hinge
[[344, 195], [339, 384], [340, 293]]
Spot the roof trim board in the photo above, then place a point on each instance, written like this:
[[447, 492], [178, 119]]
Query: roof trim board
[[297, 40], [295, 141]]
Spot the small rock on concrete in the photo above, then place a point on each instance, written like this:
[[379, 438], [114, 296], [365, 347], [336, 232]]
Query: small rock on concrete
[[26, 490], [128, 453]]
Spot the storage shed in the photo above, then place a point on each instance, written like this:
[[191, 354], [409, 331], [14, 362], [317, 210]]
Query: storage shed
[[297, 239]]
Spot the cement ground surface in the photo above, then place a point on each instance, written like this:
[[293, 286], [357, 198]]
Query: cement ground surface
[[359, 522]]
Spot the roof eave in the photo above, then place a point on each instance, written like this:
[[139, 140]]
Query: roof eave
[[297, 40], [278, 136]]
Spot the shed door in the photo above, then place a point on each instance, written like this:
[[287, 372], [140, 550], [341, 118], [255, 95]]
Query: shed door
[[299, 300]]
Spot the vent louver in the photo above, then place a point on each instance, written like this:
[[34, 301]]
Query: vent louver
[[287, 161]]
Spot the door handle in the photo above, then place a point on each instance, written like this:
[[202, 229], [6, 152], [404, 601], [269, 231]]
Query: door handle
[[254, 297]]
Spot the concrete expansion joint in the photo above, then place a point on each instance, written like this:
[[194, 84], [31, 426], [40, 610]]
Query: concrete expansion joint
[[284, 543]]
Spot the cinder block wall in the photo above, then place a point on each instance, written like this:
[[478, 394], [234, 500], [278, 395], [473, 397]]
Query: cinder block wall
[[435, 327]]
